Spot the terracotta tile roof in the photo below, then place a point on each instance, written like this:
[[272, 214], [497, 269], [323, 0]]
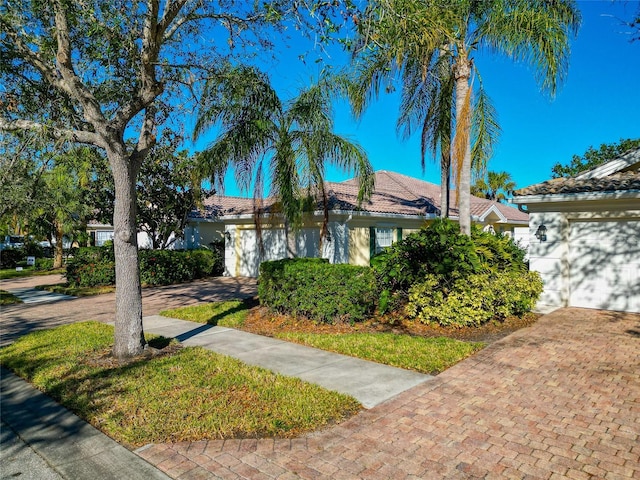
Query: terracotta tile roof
[[399, 194], [627, 179], [219, 205], [617, 182], [394, 194]]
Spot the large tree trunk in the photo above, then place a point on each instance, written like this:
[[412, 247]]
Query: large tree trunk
[[462, 141], [59, 248], [129, 335]]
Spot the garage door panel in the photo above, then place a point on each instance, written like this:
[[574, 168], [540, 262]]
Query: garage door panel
[[605, 265]]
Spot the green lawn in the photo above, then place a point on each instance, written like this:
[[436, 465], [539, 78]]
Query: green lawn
[[8, 273], [231, 313], [7, 298], [426, 355], [189, 395]]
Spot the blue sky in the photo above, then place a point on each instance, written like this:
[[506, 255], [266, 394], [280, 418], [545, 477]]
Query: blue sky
[[598, 103]]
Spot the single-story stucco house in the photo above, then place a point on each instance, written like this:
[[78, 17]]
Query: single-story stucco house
[[585, 236], [399, 205]]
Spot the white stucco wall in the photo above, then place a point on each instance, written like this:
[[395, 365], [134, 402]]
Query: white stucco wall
[[611, 265], [550, 257]]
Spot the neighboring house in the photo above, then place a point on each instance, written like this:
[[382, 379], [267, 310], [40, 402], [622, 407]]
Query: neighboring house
[[585, 236], [99, 233], [400, 205]]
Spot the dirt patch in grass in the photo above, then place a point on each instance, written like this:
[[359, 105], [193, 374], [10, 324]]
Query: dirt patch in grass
[[261, 321], [104, 358]]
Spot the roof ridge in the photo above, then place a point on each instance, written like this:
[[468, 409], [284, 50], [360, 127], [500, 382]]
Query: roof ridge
[[393, 177]]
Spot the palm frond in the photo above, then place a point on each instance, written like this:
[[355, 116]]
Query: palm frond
[[485, 131], [535, 32]]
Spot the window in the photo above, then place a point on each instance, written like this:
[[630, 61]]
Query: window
[[384, 238], [102, 237]]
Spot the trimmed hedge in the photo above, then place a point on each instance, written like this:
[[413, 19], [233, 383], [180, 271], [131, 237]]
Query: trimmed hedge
[[43, 264], [473, 300], [313, 288], [95, 266]]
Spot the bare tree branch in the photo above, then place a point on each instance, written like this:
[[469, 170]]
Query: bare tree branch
[[79, 136], [70, 81]]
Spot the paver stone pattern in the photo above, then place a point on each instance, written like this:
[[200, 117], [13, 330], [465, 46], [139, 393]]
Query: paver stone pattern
[[560, 399]]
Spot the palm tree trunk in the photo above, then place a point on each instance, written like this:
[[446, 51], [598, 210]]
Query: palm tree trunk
[[129, 335], [445, 183], [462, 141]]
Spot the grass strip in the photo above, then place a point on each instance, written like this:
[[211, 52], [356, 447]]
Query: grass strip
[[190, 394], [231, 313], [65, 289], [7, 298], [425, 355], [8, 273]]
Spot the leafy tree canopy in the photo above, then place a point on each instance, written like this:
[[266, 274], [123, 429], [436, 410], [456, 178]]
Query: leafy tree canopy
[[102, 73], [593, 157], [496, 186], [167, 190]]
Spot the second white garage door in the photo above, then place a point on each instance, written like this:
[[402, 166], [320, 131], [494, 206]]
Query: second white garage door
[[604, 265]]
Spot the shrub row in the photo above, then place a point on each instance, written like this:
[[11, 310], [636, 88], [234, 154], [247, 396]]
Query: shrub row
[[9, 258], [95, 266], [435, 275], [473, 300], [313, 288]]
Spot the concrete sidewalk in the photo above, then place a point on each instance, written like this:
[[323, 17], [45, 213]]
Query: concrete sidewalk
[[32, 295], [42, 440], [370, 383]]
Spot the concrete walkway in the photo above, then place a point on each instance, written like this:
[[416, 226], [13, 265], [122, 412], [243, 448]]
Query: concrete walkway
[[370, 383], [32, 295]]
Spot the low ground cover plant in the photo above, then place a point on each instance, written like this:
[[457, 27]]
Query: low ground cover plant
[[474, 299], [188, 394], [313, 288]]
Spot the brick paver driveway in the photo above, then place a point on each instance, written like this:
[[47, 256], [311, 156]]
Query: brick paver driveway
[[558, 400]]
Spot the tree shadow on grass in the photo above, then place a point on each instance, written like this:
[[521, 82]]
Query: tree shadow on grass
[[244, 305]]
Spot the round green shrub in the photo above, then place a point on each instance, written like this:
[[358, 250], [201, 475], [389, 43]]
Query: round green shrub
[[473, 300]]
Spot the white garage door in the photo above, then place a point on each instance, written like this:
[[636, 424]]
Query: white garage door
[[604, 265], [273, 242]]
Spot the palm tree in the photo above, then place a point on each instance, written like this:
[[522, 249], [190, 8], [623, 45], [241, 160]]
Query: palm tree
[[496, 186], [406, 31], [284, 143]]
